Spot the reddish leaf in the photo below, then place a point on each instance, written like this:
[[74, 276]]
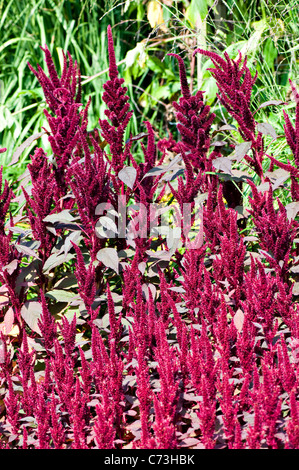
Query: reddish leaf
[[23, 146], [271, 103], [109, 257]]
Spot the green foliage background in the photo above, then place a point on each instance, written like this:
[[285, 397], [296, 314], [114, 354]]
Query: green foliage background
[[144, 32]]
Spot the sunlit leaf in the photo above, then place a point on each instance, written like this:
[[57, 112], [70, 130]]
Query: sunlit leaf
[[267, 129], [61, 295], [23, 146], [197, 11], [128, 175], [155, 15], [109, 257], [8, 320], [292, 209], [242, 149], [239, 320], [223, 164], [271, 103]]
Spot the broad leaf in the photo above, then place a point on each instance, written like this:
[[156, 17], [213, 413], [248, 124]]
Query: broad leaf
[[27, 250], [61, 295], [128, 175], [155, 13], [63, 216], [197, 12], [277, 177], [159, 170], [74, 237], [292, 209], [149, 287], [11, 267], [242, 149], [67, 282], [271, 103], [295, 290], [223, 164], [239, 320], [56, 260], [109, 257], [107, 223], [8, 320], [4, 296], [227, 127], [23, 146], [31, 312]]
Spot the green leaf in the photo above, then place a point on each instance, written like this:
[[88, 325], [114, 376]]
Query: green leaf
[[163, 92], [133, 55], [211, 89], [12, 41]]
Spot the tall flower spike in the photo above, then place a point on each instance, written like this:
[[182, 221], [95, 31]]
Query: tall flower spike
[[292, 133], [68, 330], [275, 230], [292, 426], [89, 181], [12, 406], [235, 94]]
